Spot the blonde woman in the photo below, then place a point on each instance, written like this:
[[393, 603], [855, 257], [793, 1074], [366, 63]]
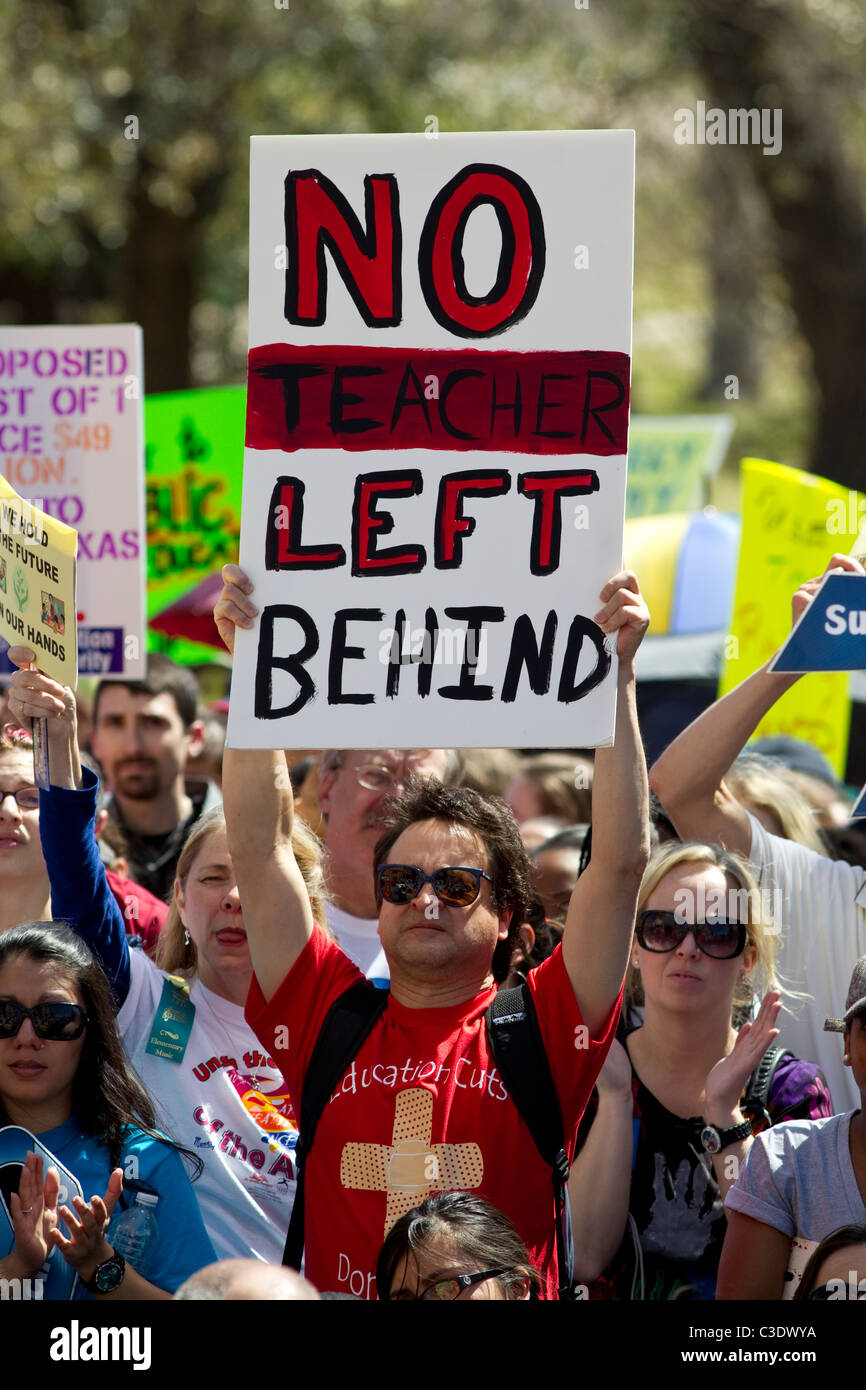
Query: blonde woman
[[766, 790], [181, 1020], [675, 1105]]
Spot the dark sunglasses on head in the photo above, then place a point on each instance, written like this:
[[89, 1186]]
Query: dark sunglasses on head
[[400, 883], [56, 1022], [663, 931]]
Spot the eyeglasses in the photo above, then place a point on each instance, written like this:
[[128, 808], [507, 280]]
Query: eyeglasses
[[446, 1290], [376, 777], [400, 883], [662, 931], [26, 797], [57, 1022]]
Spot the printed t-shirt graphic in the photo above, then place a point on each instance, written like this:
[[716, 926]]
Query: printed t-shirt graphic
[[422, 1109], [227, 1101], [407, 1167]]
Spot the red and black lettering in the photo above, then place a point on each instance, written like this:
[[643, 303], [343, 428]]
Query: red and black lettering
[[368, 524], [451, 525], [368, 258], [283, 548], [546, 489], [521, 258]]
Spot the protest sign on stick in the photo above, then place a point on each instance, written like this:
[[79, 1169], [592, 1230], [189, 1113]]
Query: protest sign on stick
[[37, 585], [71, 442], [37, 598], [437, 416], [194, 442], [829, 635], [790, 521]]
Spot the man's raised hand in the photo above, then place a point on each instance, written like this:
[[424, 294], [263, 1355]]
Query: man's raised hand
[[233, 607], [624, 612]]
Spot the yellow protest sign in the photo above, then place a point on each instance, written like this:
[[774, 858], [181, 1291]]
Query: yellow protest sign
[[792, 523], [37, 585]]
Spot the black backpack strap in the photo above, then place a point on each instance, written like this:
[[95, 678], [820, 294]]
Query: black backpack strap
[[518, 1050], [757, 1092], [347, 1023]]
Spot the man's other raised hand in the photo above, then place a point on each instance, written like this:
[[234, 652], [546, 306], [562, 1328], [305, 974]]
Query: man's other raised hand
[[234, 607]]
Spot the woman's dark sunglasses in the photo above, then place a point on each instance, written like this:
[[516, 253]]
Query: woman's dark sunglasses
[[54, 1022], [663, 931], [400, 883]]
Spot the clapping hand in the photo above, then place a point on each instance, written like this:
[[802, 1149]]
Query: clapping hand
[[728, 1077], [87, 1247], [34, 1214]]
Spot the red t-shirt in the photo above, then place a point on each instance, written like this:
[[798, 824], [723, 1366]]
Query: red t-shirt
[[422, 1109]]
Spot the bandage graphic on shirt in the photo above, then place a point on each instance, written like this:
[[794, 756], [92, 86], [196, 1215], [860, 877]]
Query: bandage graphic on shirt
[[411, 1167]]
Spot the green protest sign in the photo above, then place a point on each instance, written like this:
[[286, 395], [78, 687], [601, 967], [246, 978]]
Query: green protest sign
[[669, 456], [193, 477]]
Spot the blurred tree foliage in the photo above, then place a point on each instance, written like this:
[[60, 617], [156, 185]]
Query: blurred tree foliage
[[124, 172]]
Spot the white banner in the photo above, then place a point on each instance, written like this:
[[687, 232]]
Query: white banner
[[437, 415], [71, 441]]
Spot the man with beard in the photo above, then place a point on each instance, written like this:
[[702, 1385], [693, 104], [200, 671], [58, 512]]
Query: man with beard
[[143, 732], [354, 785]]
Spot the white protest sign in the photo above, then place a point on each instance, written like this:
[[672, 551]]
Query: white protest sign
[[437, 414], [71, 441]]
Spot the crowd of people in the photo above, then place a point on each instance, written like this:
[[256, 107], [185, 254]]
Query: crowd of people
[[428, 1023]]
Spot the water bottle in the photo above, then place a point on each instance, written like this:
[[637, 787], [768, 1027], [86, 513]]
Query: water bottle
[[134, 1233]]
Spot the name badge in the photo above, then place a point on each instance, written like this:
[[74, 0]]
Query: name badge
[[172, 1022]]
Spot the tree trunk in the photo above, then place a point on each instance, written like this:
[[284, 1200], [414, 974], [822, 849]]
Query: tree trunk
[[734, 277], [752, 56], [160, 271]]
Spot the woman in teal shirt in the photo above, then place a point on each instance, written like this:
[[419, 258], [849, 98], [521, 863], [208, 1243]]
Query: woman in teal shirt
[[64, 1078]]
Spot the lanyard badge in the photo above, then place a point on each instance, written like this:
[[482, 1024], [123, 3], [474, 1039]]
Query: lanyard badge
[[173, 1020]]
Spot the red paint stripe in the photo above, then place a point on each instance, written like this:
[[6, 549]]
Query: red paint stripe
[[570, 402]]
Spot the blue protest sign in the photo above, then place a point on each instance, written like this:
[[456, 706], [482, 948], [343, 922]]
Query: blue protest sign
[[56, 1279], [831, 634], [860, 805]]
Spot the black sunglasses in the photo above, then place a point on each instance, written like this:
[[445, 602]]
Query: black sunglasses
[[400, 883], [56, 1022], [663, 931]]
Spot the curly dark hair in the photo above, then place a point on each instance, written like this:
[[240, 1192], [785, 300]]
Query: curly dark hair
[[483, 1235], [107, 1096], [494, 824]]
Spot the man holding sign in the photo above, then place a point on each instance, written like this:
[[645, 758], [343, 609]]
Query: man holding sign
[[422, 1107], [823, 923]]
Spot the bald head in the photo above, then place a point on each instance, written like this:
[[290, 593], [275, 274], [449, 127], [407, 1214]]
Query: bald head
[[232, 1280]]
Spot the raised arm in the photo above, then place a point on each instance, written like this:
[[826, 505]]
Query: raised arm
[[599, 1185], [688, 777], [600, 919], [80, 895], [259, 810]]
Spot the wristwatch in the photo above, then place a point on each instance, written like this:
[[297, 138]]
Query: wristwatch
[[107, 1276], [714, 1140]]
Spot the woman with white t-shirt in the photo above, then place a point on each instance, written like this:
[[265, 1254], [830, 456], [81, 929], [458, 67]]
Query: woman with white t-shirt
[[182, 1025], [801, 1181]]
